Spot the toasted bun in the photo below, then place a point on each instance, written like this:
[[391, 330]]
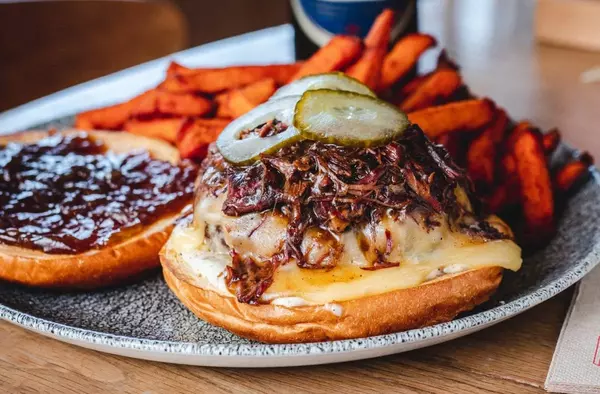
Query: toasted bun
[[95, 268], [434, 302]]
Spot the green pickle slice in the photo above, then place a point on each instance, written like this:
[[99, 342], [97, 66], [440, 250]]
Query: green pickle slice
[[347, 118], [333, 81], [245, 151]]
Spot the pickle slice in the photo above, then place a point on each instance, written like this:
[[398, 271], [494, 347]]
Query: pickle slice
[[244, 151], [347, 118], [333, 81]]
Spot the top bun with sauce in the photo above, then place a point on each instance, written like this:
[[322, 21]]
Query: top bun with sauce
[[86, 209]]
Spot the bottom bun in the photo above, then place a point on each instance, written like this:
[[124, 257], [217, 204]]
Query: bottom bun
[[434, 302], [99, 267]]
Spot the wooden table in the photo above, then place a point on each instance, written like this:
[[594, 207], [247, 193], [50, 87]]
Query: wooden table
[[493, 43], [512, 357]]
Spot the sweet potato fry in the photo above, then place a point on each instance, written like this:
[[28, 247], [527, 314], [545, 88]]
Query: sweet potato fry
[[413, 85], [507, 174], [239, 101], [337, 54], [222, 101], [259, 91], [238, 104], [379, 34], [509, 165], [481, 156], [502, 198], [400, 94], [469, 115], [165, 129], [215, 80], [368, 68], [159, 103], [195, 135], [572, 172], [448, 143], [501, 122], [496, 201], [440, 85], [456, 145], [551, 140], [536, 188], [112, 117], [506, 194], [191, 124], [444, 62], [176, 68], [108, 118], [403, 57]]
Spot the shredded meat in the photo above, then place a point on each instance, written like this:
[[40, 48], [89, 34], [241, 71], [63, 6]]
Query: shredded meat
[[249, 280], [251, 190], [267, 129], [332, 188]]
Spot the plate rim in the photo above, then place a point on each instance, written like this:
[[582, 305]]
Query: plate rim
[[191, 349], [501, 312], [263, 350]]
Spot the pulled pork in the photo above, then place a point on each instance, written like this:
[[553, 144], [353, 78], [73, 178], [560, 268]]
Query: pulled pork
[[333, 188]]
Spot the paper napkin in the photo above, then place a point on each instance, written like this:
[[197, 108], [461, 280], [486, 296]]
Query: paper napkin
[[575, 366]]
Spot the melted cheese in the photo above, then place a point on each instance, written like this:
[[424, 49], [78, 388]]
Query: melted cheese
[[421, 255], [347, 282]]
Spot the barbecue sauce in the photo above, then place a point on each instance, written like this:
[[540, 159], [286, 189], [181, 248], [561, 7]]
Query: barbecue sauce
[[69, 194]]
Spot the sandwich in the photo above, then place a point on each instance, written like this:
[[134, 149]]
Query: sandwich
[[86, 209], [325, 214]]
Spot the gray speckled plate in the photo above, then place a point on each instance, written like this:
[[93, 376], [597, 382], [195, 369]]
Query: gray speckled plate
[[145, 320]]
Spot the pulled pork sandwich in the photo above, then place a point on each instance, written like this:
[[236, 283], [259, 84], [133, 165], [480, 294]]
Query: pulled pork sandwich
[[329, 216]]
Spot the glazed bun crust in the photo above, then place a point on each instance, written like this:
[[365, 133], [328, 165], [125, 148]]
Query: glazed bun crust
[[434, 302], [95, 268]]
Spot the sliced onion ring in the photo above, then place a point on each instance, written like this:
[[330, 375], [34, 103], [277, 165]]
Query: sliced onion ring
[[244, 151], [333, 81]]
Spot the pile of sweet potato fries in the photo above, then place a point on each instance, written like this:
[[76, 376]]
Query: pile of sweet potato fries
[[507, 160]]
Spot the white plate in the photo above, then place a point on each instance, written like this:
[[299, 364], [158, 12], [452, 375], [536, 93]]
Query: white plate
[[146, 321]]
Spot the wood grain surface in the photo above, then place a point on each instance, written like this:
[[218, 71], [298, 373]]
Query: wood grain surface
[[511, 357], [492, 40]]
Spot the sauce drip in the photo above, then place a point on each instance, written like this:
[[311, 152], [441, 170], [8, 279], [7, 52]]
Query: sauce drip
[[69, 194]]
